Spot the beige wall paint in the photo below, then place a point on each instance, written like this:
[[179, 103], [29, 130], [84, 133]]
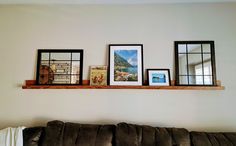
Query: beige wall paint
[[25, 28]]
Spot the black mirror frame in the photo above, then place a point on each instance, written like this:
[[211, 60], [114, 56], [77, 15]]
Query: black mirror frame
[[212, 48], [40, 51]]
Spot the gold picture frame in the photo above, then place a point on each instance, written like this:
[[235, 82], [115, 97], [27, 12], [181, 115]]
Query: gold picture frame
[[98, 75]]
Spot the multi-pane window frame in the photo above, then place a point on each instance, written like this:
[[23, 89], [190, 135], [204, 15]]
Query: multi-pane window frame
[[70, 61], [202, 53]]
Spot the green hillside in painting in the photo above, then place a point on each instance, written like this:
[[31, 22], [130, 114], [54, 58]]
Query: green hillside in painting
[[119, 61]]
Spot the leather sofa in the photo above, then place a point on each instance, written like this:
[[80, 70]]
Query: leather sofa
[[58, 133]]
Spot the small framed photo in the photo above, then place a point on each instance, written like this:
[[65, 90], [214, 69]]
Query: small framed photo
[[59, 67], [98, 75], [158, 77], [125, 64]]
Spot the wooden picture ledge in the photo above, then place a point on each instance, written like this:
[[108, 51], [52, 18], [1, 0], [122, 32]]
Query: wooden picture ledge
[[31, 84]]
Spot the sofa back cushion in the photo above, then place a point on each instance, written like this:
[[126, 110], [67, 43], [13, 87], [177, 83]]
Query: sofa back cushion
[[58, 133], [137, 135], [213, 139]]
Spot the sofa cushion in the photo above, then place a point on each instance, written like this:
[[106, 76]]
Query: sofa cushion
[[180, 136], [58, 133], [231, 137], [213, 139], [137, 135]]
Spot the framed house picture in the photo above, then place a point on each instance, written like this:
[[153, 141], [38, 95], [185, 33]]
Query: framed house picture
[[158, 77], [59, 67], [125, 64], [98, 75]]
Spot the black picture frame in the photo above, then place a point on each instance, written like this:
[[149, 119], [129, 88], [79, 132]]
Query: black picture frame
[[212, 59], [56, 68], [111, 63], [164, 71]]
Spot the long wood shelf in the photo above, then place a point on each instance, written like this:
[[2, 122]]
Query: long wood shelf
[[31, 84]]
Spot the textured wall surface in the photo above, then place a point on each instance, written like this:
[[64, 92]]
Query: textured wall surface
[[25, 28]]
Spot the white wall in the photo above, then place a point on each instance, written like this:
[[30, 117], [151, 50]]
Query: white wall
[[25, 28]]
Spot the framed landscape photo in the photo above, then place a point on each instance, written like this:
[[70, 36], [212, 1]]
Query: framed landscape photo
[[158, 77], [125, 64], [59, 67], [98, 75]]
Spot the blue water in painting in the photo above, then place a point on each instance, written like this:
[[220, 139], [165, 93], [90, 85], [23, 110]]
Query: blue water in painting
[[131, 70], [158, 78]]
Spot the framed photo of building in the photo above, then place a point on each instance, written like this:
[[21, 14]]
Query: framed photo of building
[[59, 67], [98, 75], [158, 77], [125, 64]]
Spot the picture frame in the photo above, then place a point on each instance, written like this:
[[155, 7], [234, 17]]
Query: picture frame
[[59, 67], [98, 75], [158, 77], [126, 64]]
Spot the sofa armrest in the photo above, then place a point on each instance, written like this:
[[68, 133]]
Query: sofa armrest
[[31, 136]]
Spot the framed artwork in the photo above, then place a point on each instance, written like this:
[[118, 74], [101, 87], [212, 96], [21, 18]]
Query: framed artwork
[[125, 64], [98, 75], [158, 77], [59, 67]]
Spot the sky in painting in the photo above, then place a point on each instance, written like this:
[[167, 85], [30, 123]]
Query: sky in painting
[[129, 55]]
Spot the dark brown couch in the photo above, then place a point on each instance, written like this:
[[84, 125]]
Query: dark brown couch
[[58, 133]]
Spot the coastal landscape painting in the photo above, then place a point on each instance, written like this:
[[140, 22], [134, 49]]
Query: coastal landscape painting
[[126, 64], [158, 77]]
